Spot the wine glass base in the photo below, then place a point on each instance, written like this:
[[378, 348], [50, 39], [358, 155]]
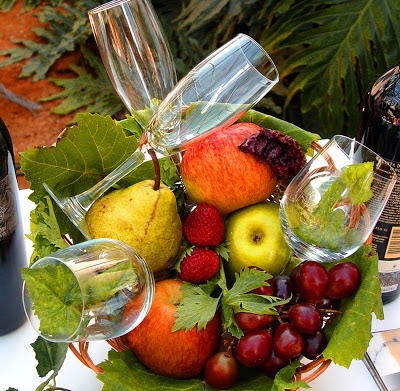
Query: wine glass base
[[72, 208]]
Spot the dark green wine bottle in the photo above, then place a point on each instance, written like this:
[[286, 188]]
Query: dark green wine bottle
[[379, 129], [12, 242]]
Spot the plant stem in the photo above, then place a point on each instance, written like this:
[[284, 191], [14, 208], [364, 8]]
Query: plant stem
[[157, 174]]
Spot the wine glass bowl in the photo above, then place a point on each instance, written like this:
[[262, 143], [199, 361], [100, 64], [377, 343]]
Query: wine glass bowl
[[95, 290], [330, 208], [215, 93]]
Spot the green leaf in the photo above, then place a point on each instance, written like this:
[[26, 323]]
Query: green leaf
[[337, 45], [358, 179], [101, 287], [50, 357], [123, 372], [196, 307], [247, 280], [57, 305], [303, 137], [349, 334], [45, 232]]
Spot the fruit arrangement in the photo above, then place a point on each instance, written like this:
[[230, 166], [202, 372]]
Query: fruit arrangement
[[232, 309]]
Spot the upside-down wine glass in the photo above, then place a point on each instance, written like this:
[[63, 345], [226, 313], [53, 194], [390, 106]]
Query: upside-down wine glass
[[331, 206], [134, 51], [215, 93]]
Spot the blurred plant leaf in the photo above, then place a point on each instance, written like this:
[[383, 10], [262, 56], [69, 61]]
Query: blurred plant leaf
[[6, 5], [341, 46], [96, 93], [65, 30]]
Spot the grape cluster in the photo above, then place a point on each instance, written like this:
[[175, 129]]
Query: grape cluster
[[271, 342]]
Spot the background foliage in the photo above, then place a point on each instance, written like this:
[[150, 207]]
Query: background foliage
[[327, 51]]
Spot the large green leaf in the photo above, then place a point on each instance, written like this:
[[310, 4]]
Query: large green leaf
[[123, 372], [349, 334], [340, 46]]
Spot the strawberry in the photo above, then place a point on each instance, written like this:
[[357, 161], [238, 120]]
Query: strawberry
[[199, 266], [204, 226]]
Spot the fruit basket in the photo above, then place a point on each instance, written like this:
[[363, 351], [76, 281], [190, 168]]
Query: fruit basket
[[339, 350]]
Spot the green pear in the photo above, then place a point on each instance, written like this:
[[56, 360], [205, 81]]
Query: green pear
[[254, 237], [142, 217]]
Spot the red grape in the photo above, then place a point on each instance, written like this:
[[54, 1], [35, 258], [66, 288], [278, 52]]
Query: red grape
[[314, 345], [221, 371], [328, 304], [283, 287], [344, 280], [254, 348], [273, 364], [294, 277], [313, 280], [249, 322], [287, 342], [306, 318]]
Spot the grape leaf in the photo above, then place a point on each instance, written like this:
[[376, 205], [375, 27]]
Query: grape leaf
[[50, 357], [349, 334], [45, 232], [58, 306], [303, 137], [123, 372]]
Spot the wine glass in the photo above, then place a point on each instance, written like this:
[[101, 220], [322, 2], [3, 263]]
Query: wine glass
[[214, 94], [331, 206], [95, 290], [134, 51]]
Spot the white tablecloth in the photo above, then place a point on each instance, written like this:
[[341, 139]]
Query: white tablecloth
[[18, 363]]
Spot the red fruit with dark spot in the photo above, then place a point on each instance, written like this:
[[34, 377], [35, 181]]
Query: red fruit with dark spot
[[199, 266], [204, 226]]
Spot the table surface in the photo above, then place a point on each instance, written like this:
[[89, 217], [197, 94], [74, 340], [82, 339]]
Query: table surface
[[18, 363]]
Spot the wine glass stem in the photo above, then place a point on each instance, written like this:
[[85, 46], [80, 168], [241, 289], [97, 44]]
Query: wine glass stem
[[88, 197]]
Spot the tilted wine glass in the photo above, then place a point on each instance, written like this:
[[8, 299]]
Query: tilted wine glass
[[214, 94], [331, 206]]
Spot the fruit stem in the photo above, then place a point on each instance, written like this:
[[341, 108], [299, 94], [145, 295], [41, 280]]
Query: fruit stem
[[157, 174]]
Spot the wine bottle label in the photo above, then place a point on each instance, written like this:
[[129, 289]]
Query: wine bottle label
[[386, 239], [8, 207]]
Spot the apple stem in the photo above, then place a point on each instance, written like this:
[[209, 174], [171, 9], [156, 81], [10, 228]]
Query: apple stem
[[157, 174]]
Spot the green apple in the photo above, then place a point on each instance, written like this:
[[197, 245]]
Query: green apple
[[254, 238]]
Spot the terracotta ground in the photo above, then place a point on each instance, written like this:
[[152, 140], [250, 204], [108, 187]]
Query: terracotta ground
[[27, 128]]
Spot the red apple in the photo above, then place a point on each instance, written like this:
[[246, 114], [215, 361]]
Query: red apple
[[216, 172], [179, 354]]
